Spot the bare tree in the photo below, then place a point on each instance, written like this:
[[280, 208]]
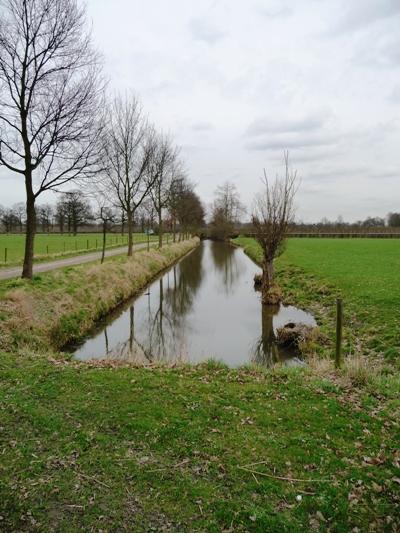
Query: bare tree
[[189, 210], [273, 212], [19, 212], [9, 220], [107, 216], [76, 210], [226, 211], [49, 94], [164, 167], [128, 147], [394, 220], [45, 216]]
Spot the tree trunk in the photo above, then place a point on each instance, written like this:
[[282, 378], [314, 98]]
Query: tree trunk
[[160, 230], [30, 231], [103, 252], [270, 293], [267, 275], [130, 233], [174, 230]]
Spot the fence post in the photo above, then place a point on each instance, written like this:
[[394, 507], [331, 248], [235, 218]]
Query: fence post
[[5, 255], [87, 244], [339, 328]]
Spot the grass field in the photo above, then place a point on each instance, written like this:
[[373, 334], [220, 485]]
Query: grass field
[[50, 246], [364, 272], [122, 449], [107, 447]]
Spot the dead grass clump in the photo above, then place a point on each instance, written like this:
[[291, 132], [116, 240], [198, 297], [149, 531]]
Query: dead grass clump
[[296, 335], [358, 371], [273, 296]]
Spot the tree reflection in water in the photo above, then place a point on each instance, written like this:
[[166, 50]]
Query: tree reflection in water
[[266, 351], [225, 263], [130, 350], [203, 307]]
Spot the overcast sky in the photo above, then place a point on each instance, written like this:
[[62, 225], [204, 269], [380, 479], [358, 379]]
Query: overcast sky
[[237, 82]]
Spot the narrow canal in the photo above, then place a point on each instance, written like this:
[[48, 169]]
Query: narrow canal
[[204, 307]]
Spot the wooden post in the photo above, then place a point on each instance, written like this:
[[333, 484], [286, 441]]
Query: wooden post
[[64, 247], [339, 327], [87, 244], [47, 249], [96, 244], [5, 255], [148, 240]]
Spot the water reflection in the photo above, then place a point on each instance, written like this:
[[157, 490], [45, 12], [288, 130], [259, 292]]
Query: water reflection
[[226, 265], [203, 307], [266, 351]]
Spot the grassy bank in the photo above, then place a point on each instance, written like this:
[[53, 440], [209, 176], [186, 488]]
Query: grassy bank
[[193, 449], [55, 246], [61, 306], [364, 272]]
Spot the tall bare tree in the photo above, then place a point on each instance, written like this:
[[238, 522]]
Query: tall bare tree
[[164, 167], [189, 210], [129, 147], [226, 211], [50, 86], [273, 212]]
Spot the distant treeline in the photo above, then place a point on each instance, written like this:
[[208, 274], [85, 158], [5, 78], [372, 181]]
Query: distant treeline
[[73, 213], [391, 223]]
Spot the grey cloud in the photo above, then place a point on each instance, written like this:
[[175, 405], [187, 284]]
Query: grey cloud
[[261, 126], [202, 126], [394, 96], [336, 173], [203, 30], [382, 51], [277, 12], [385, 174], [362, 13], [290, 143]]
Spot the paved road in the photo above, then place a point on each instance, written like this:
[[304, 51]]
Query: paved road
[[7, 273]]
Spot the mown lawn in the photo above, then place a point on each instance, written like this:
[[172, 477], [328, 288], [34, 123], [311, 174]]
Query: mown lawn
[[123, 449], [49, 246], [364, 272]]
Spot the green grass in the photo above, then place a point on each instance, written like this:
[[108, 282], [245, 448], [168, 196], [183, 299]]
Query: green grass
[[122, 449], [50, 246], [364, 272], [108, 447]]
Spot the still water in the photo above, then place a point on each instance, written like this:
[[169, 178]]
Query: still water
[[204, 307]]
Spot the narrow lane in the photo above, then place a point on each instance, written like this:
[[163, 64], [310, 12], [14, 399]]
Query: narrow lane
[[8, 273]]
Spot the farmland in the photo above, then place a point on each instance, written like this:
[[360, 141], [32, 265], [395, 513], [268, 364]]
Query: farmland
[[364, 272], [51, 246]]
